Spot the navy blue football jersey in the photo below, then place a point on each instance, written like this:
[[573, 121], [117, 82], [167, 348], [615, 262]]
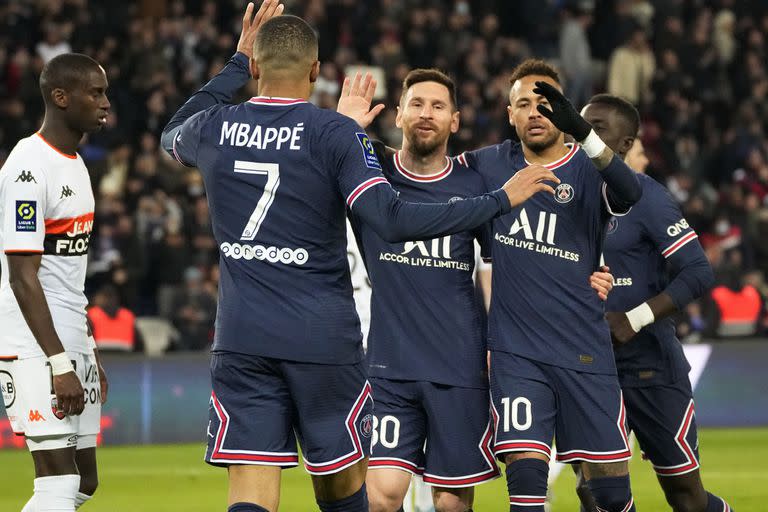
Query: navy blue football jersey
[[638, 248], [427, 322], [280, 175], [544, 251]]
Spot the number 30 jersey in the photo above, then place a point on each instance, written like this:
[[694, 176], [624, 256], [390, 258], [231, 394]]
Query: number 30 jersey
[[46, 207]]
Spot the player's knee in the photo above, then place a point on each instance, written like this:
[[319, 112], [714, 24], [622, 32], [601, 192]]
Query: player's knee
[[687, 500], [457, 500], [526, 481], [383, 499], [612, 494]]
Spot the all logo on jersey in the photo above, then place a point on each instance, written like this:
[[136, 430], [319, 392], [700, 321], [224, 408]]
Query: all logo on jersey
[[8, 388], [564, 193], [434, 253], [535, 233], [25, 215], [369, 153], [25, 177], [66, 192], [613, 225]]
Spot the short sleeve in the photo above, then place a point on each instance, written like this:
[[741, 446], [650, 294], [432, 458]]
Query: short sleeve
[[186, 142], [664, 222], [23, 209], [354, 160]]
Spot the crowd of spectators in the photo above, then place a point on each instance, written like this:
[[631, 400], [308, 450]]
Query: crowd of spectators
[[696, 69]]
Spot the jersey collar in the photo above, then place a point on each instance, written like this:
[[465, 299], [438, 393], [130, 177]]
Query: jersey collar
[[423, 178], [275, 101], [562, 161]]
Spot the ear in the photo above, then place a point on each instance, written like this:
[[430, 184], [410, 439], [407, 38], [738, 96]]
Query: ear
[[455, 122], [314, 72], [625, 145], [510, 115], [399, 118], [253, 66], [60, 97]]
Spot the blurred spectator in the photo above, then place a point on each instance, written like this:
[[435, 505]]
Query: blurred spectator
[[193, 313], [631, 69], [114, 327], [575, 59]]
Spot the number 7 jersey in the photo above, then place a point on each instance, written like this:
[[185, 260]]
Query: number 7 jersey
[[279, 175]]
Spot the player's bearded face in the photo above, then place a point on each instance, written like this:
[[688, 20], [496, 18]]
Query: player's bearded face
[[427, 117], [534, 130]]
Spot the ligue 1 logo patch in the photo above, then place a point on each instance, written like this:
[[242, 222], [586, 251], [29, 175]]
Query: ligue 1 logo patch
[[369, 154], [25, 215], [613, 225], [563, 193], [366, 425]]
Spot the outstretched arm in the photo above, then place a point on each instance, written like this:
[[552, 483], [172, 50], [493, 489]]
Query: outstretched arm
[[222, 87]]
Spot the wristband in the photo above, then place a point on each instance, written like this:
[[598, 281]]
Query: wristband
[[60, 364], [593, 145], [641, 316]]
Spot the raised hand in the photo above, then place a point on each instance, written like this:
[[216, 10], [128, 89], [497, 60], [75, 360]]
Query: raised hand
[[602, 282], [529, 181], [268, 10], [562, 114], [356, 98]]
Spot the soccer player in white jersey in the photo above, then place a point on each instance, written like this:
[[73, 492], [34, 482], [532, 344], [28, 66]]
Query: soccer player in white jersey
[[46, 217]]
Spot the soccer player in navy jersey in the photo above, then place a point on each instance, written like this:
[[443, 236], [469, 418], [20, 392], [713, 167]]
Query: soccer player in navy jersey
[[427, 347], [553, 373], [280, 175], [660, 268]]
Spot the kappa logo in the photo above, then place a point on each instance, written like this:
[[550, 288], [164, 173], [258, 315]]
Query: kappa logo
[[563, 193], [25, 177], [35, 416], [66, 192]]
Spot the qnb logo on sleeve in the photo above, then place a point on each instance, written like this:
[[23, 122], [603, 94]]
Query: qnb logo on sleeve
[[272, 254], [678, 227], [25, 216]]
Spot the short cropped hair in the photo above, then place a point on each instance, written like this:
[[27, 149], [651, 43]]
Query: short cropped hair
[[623, 107], [66, 71], [284, 42], [419, 75], [534, 67]]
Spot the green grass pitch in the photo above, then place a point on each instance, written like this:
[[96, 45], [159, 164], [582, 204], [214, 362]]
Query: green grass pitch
[[174, 479]]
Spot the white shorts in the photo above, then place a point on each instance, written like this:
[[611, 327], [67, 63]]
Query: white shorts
[[10, 397], [36, 403]]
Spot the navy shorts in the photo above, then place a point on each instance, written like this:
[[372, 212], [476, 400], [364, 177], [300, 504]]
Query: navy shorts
[[534, 402], [441, 432], [663, 419], [259, 405]]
